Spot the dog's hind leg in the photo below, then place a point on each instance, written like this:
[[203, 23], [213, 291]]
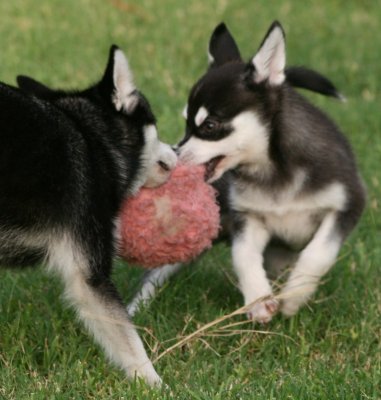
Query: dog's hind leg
[[89, 289], [152, 281], [314, 261]]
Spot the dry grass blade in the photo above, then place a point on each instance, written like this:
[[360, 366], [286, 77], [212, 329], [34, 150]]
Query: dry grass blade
[[206, 327], [226, 330], [241, 310]]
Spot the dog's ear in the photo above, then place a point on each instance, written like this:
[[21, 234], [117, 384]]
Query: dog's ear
[[117, 83], [222, 47], [269, 62], [31, 86]]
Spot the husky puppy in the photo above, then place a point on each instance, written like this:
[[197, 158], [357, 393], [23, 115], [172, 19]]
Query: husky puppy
[[293, 174], [67, 161], [284, 171]]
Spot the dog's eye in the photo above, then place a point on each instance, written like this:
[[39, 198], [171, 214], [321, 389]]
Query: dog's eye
[[164, 166], [209, 126]]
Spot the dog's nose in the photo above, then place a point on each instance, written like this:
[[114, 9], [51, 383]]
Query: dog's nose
[[183, 141], [176, 149]]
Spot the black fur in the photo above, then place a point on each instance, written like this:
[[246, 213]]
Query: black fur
[[223, 49], [67, 161], [305, 78], [57, 166], [298, 130], [301, 138], [298, 140]]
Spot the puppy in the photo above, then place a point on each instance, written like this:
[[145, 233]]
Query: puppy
[[286, 176], [67, 161], [293, 175]]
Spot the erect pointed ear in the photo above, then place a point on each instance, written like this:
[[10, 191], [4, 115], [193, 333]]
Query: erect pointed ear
[[117, 83], [31, 86], [222, 47], [270, 60]]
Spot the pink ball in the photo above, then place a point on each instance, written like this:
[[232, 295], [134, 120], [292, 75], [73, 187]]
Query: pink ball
[[172, 223]]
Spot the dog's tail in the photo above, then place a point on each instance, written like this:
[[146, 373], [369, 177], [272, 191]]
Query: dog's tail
[[309, 79]]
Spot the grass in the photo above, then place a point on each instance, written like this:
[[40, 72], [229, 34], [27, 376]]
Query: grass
[[331, 349]]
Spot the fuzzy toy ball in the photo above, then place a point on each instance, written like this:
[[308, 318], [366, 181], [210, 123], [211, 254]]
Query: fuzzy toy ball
[[171, 223]]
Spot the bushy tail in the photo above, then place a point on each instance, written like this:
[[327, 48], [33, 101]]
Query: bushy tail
[[309, 79]]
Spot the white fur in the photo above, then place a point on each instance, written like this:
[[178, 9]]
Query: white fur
[[124, 96], [247, 143], [270, 60], [210, 58], [201, 116], [185, 112], [147, 157], [314, 262], [247, 253], [154, 280], [290, 199], [295, 217], [155, 151], [305, 219], [106, 320], [33, 240], [157, 174], [290, 214]]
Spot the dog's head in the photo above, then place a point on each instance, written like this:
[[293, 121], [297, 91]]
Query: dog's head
[[126, 110], [231, 110], [226, 115]]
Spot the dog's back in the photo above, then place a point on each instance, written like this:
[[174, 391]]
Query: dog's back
[[312, 142], [36, 148], [34, 174], [57, 172]]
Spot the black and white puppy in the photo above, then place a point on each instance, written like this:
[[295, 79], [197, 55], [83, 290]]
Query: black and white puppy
[[67, 161], [293, 174], [284, 171]]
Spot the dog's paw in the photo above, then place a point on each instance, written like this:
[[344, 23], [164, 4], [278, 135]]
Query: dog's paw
[[146, 372], [294, 299], [290, 307], [154, 380], [263, 311]]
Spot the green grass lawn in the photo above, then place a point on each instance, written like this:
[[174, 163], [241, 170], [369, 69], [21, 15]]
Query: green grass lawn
[[331, 349]]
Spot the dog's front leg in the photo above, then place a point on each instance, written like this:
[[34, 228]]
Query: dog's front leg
[[249, 242], [314, 261], [89, 289], [153, 280], [99, 307]]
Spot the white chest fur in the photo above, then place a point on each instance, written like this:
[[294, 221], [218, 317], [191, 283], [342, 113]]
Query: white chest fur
[[291, 213]]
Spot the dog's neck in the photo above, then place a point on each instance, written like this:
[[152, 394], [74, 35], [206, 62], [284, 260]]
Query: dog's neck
[[267, 175]]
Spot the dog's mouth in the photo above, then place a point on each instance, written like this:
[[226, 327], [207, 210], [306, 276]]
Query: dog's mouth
[[210, 167]]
